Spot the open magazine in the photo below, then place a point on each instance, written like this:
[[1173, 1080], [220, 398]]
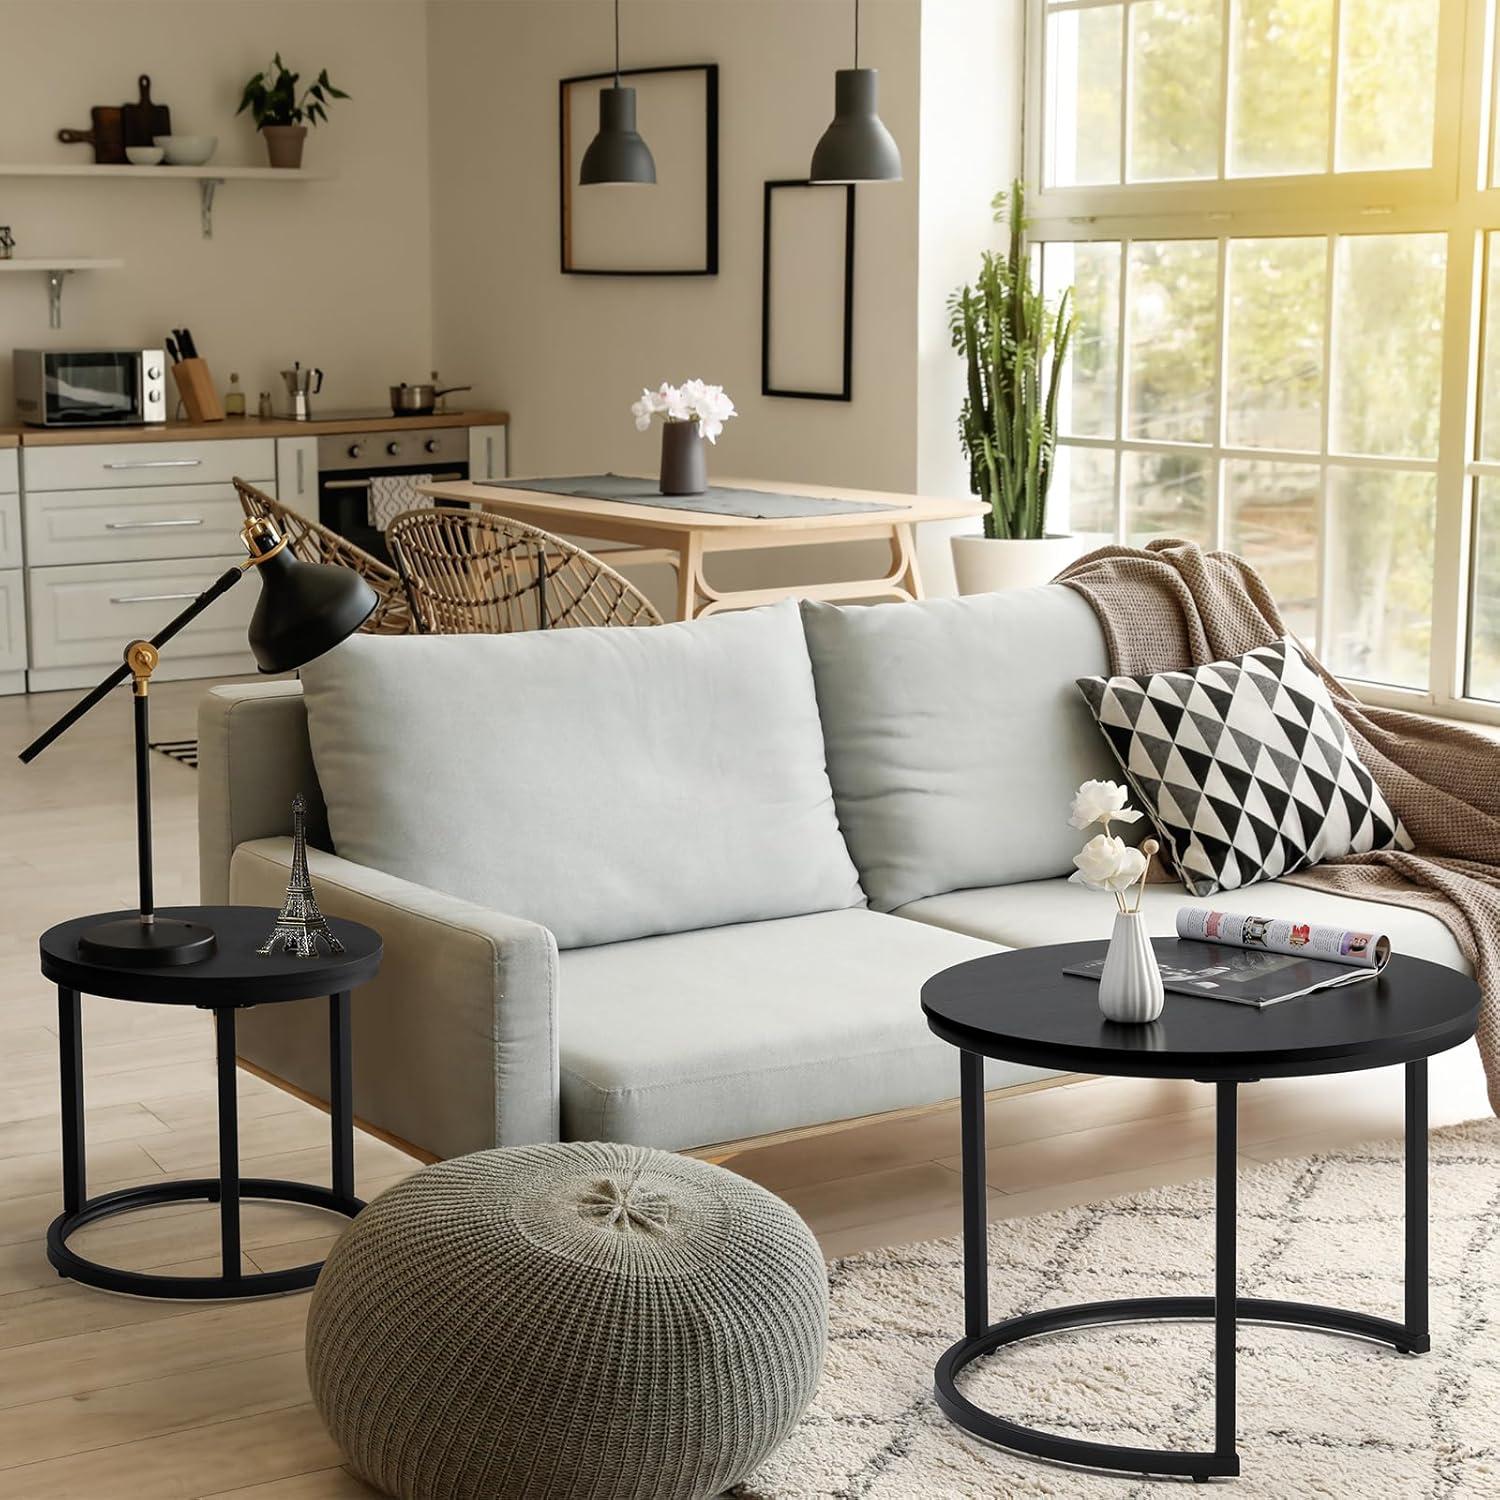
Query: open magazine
[[1259, 960]]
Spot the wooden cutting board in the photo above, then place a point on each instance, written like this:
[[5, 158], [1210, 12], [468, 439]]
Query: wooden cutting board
[[144, 121], [107, 136]]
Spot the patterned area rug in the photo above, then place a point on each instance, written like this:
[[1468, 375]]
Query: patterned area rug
[[1319, 1415]]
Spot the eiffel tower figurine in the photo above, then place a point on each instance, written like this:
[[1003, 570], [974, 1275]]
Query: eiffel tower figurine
[[301, 925]]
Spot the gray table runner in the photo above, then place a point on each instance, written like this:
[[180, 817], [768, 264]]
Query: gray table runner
[[758, 505]]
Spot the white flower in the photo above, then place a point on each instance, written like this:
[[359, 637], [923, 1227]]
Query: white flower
[[1101, 802], [1107, 863], [692, 401]]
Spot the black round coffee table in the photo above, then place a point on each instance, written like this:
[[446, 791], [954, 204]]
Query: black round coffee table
[[1021, 1007], [234, 977]]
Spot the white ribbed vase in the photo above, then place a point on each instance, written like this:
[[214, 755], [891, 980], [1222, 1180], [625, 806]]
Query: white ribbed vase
[[1130, 987]]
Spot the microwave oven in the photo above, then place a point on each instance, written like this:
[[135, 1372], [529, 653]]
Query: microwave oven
[[90, 387]]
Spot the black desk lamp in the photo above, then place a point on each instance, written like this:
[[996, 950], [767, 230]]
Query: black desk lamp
[[304, 610]]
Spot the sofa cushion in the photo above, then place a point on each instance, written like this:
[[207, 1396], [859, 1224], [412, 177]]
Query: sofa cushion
[[713, 1036], [956, 737], [1244, 766], [606, 783], [1057, 911]]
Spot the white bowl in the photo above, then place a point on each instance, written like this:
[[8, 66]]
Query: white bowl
[[187, 150], [144, 156]]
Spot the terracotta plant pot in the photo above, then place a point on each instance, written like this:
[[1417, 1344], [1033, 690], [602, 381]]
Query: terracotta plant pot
[[985, 565], [284, 144]]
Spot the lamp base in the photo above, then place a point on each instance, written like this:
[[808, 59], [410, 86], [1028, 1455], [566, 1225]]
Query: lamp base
[[161, 944]]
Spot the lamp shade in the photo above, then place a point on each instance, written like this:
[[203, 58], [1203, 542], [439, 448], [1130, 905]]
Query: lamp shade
[[305, 609], [856, 147], [617, 154]]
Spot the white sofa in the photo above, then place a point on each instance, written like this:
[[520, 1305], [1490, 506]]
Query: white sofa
[[678, 885]]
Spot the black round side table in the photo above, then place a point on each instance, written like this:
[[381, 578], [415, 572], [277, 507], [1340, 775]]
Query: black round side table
[[1020, 1006], [236, 976]]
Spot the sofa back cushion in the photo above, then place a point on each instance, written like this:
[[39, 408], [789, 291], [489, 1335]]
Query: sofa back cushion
[[955, 736], [607, 783]]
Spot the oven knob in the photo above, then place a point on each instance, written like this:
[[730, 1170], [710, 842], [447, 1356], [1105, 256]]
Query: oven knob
[[356, 449], [153, 372], [393, 449], [431, 445]]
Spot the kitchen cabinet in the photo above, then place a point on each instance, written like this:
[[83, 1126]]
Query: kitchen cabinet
[[119, 536], [82, 616], [137, 465], [297, 475], [487, 453], [12, 579]]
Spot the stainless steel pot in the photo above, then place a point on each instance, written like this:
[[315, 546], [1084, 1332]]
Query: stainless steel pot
[[420, 400]]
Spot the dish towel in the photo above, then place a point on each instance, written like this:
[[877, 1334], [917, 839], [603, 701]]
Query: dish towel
[[390, 494]]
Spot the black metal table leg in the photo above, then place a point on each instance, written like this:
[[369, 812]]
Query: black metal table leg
[[1225, 1235], [341, 1095], [1419, 1336], [70, 1060], [976, 1225], [229, 1144]]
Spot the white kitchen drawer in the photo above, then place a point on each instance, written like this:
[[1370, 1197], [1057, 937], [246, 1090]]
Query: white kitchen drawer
[[83, 526], [10, 470], [10, 531], [88, 466], [83, 616], [12, 620]]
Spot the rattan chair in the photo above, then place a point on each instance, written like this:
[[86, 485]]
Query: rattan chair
[[472, 572], [312, 542]]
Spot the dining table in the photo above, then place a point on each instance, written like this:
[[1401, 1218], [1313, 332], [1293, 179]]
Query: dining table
[[651, 528]]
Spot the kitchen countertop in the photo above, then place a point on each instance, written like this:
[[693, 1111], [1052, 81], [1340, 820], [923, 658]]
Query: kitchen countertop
[[240, 427]]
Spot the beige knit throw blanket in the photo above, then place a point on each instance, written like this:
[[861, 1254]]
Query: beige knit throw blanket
[[1170, 605]]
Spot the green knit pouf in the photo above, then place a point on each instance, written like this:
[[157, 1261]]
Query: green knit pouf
[[581, 1320]]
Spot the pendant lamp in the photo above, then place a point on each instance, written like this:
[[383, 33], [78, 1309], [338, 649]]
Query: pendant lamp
[[617, 154], [856, 147]]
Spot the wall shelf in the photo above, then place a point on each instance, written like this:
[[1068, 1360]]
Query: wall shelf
[[209, 177], [55, 268]]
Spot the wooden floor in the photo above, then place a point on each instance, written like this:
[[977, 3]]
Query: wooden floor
[[104, 1396]]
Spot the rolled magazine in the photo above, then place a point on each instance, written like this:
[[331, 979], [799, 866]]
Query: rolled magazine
[[1334, 945]]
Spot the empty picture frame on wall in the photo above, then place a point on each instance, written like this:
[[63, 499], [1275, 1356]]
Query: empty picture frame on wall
[[807, 292], [670, 228]]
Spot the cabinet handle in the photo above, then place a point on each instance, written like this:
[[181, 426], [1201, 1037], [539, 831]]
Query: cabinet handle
[[147, 598], [301, 476], [152, 525], [489, 458], [157, 463]]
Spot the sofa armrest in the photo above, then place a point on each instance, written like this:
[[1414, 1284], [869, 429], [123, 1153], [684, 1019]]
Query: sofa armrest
[[455, 1040]]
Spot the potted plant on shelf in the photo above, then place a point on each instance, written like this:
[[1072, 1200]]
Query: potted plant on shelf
[[280, 116], [690, 413], [1015, 346]]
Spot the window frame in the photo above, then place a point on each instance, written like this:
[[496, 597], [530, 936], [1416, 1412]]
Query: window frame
[[1453, 198]]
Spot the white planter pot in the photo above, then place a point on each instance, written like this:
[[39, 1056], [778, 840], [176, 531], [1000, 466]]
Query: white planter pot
[[985, 565], [1130, 988]]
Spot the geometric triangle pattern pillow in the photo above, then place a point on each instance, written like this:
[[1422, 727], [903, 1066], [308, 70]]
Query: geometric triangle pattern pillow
[[1244, 766]]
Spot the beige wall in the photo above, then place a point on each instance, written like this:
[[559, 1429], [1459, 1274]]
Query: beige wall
[[333, 273]]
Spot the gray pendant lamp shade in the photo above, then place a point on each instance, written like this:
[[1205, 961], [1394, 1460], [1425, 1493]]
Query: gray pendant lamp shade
[[856, 147], [617, 154]]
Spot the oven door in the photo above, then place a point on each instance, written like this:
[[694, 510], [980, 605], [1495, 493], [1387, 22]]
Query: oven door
[[344, 499], [81, 388]]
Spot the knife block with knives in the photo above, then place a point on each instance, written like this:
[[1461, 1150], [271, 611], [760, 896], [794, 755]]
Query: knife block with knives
[[194, 383]]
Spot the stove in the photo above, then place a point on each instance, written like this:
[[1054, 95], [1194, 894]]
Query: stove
[[350, 462]]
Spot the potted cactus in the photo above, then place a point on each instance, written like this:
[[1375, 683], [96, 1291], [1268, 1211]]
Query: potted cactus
[[1015, 346]]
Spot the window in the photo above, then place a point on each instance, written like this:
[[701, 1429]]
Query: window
[[1281, 219]]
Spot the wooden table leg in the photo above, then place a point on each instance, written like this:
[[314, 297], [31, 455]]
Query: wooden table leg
[[904, 549], [689, 574]]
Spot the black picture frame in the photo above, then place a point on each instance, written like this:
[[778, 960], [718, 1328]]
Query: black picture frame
[[846, 390], [565, 185]]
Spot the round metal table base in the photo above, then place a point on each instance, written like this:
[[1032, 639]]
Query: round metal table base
[[1117, 1457], [203, 1288]]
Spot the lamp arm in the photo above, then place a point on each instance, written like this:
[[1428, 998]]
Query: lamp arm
[[220, 586]]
